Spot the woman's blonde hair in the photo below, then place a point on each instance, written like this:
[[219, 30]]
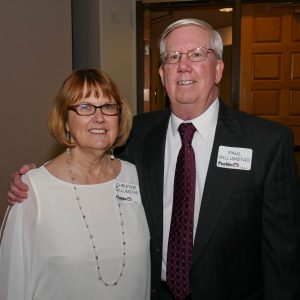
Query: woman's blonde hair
[[81, 84]]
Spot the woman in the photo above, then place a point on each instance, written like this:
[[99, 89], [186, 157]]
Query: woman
[[82, 234]]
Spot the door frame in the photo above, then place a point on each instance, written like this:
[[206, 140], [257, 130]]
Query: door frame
[[236, 21]]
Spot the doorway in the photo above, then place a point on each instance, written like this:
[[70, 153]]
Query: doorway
[[155, 18]]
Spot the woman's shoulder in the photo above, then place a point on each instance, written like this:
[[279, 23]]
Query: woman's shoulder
[[128, 172], [127, 165], [37, 175]]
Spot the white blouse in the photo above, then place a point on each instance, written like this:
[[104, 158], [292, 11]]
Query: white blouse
[[46, 254]]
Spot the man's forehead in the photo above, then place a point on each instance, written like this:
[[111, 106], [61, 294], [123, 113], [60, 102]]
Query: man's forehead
[[187, 38]]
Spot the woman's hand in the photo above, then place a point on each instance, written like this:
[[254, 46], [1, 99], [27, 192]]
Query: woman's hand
[[17, 188]]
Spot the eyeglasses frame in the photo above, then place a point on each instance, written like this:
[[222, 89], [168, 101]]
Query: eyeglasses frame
[[208, 50], [74, 108]]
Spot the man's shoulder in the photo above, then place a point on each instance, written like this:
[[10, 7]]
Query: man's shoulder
[[252, 122], [143, 123], [152, 115], [258, 123], [146, 121]]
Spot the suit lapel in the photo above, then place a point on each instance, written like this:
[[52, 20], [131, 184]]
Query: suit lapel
[[219, 185], [153, 171]]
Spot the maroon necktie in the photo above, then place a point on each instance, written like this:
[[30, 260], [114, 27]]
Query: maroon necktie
[[182, 221]]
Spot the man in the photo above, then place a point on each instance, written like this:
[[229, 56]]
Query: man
[[246, 209]]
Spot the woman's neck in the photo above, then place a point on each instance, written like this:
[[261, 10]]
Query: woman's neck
[[89, 167], [85, 168]]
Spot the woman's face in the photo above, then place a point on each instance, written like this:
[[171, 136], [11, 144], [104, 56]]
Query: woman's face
[[94, 132]]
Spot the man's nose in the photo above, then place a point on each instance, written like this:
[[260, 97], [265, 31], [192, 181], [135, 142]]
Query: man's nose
[[184, 63]]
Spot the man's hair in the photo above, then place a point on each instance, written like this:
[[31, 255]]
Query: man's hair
[[216, 41]]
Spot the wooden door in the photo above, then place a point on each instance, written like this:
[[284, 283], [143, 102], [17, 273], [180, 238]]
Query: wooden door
[[156, 19], [154, 94], [270, 63], [146, 61]]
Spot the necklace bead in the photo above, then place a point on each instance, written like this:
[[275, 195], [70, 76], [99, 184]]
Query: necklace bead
[[90, 234]]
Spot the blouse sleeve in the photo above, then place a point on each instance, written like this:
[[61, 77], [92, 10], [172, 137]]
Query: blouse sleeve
[[17, 246]]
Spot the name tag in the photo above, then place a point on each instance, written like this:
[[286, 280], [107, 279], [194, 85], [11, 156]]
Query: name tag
[[128, 192], [234, 158]]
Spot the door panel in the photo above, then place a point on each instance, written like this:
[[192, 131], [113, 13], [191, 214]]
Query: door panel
[[270, 63]]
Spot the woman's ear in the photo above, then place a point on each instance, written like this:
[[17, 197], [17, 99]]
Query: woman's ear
[[67, 127]]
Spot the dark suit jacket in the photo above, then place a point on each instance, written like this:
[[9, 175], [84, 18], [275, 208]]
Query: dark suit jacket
[[247, 243]]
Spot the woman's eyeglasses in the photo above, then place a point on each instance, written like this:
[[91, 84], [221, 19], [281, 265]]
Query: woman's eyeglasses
[[88, 109]]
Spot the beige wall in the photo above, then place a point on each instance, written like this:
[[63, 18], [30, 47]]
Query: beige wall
[[118, 44], [35, 57]]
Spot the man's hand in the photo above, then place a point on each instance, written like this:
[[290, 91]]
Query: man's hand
[[17, 188]]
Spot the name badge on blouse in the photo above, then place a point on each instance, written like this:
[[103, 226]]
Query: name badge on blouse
[[128, 192], [234, 158]]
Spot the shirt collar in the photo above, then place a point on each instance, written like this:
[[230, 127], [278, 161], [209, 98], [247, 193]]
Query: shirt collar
[[203, 123]]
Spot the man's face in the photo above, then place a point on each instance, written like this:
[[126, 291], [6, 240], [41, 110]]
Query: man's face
[[191, 86]]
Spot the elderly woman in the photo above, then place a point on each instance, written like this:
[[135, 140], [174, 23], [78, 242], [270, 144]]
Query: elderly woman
[[82, 234]]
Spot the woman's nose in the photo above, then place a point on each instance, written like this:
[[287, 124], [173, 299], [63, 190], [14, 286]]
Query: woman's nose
[[98, 115]]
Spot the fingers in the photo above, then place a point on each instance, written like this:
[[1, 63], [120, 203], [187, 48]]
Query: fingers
[[24, 169], [15, 196], [17, 188], [16, 183]]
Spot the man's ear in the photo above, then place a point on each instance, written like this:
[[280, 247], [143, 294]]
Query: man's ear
[[161, 74], [219, 71]]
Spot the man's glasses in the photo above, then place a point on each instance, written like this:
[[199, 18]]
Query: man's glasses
[[88, 109], [197, 54]]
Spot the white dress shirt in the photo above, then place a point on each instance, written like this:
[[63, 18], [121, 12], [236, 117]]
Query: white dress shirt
[[202, 144]]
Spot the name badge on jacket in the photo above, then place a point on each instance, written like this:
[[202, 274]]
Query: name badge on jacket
[[234, 158]]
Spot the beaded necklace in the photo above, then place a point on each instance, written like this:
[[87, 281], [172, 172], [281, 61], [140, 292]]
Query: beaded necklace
[[90, 234]]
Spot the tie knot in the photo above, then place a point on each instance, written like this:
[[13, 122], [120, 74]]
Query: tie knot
[[186, 131]]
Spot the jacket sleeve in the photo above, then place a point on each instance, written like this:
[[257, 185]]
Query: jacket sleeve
[[281, 225]]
